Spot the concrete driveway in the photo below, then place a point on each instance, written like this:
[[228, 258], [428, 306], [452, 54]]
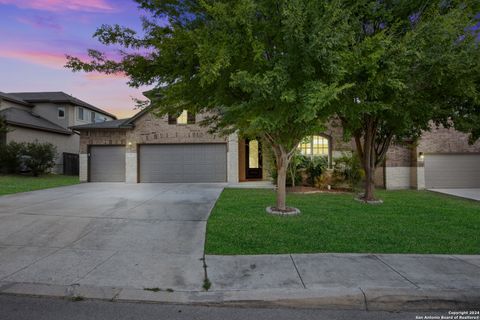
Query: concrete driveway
[[471, 193], [107, 234]]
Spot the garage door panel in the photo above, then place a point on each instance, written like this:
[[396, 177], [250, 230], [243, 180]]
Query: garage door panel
[[183, 163], [107, 164], [452, 171]]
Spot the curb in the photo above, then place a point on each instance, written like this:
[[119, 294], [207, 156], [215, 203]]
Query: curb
[[370, 299]]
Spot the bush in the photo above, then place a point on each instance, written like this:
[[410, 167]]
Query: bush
[[35, 157], [348, 171], [40, 157], [301, 166], [315, 166], [11, 156]]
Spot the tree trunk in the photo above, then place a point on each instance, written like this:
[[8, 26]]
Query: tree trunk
[[369, 183], [281, 183], [369, 158]]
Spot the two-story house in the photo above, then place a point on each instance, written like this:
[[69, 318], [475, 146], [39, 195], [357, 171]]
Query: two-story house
[[46, 117]]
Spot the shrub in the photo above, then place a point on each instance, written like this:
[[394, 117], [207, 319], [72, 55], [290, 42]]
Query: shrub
[[315, 166], [348, 171], [40, 157], [11, 156]]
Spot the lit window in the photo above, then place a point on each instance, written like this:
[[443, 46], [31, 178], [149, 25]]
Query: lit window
[[253, 154], [314, 146], [61, 112], [183, 118]]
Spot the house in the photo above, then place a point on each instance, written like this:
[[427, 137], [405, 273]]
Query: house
[[46, 117], [147, 148]]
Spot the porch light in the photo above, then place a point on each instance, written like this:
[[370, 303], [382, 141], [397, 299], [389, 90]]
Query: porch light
[[421, 156], [129, 143]]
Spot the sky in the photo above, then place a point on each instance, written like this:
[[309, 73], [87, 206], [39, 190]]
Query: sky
[[37, 34]]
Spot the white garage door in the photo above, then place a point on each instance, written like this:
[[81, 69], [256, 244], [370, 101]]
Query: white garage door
[[452, 171], [183, 163]]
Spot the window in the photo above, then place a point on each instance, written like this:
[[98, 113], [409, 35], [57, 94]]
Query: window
[[92, 116], [314, 146], [184, 118], [80, 113], [253, 154], [61, 112]]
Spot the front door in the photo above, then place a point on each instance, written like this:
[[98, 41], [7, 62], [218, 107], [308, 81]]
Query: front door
[[253, 159]]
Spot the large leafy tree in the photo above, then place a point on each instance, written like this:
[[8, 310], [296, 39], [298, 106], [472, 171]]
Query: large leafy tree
[[263, 68], [412, 62]]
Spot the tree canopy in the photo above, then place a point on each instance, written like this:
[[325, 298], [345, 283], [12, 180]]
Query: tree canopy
[[278, 69]]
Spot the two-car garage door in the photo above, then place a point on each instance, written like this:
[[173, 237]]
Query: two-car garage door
[[183, 163], [162, 163], [452, 171]]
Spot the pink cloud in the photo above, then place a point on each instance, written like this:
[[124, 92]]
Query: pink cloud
[[103, 76], [48, 59], [40, 22], [61, 5]]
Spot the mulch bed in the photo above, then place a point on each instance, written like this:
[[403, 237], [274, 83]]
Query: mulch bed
[[307, 190]]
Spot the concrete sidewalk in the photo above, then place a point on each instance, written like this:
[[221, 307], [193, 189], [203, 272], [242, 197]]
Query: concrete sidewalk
[[390, 282]]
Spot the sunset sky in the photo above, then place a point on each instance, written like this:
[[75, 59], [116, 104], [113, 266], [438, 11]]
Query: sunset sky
[[35, 36]]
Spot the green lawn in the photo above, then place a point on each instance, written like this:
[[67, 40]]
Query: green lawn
[[408, 222], [16, 183]]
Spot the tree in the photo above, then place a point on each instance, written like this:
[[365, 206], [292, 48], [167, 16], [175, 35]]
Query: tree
[[412, 62], [266, 69], [3, 130], [39, 157]]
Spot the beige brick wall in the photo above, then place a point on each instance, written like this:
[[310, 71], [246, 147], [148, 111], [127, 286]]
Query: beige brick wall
[[152, 129], [444, 140]]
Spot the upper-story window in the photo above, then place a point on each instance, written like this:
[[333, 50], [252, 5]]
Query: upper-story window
[[184, 118], [314, 146], [80, 113], [61, 112], [92, 116]]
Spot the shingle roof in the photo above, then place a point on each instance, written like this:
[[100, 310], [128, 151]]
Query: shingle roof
[[56, 97], [11, 98], [23, 118], [113, 124]]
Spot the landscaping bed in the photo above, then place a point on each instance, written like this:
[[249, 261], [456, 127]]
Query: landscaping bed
[[408, 222], [18, 183]]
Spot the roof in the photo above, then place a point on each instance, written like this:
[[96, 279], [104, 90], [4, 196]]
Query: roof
[[28, 119], [11, 98], [56, 97], [113, 124]]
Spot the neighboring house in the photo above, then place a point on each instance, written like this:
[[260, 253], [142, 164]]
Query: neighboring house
[[146, 148], [46, 117]]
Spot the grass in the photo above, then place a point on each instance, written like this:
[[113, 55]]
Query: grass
[[408, 222], [17, 183]]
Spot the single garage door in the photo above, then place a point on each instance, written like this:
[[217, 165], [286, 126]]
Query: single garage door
[[452, 171], [107, 164], [183, 163]]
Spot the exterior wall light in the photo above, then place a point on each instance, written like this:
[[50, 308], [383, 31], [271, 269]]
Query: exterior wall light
[[129, 143], [421, 156]]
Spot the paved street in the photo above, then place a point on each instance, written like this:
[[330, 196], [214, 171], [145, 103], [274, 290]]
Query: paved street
[[24, 308], [107, 234]]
